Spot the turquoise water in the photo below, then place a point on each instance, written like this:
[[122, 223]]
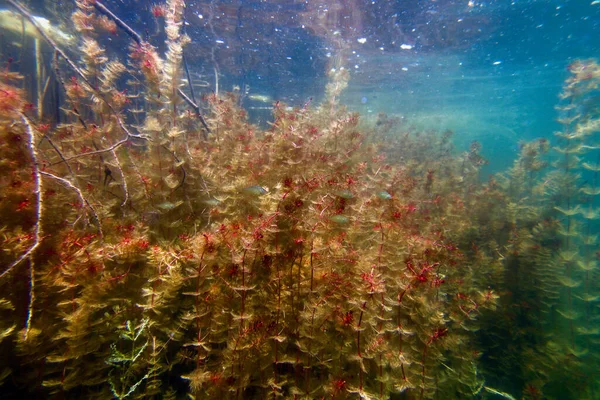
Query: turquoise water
[[490, 72]]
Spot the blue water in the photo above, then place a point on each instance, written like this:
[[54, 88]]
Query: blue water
[[489, 71]]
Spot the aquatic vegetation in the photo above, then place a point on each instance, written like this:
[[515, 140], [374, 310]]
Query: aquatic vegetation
[[152, 246], [549, 326]]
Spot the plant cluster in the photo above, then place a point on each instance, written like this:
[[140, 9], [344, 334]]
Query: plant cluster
[[151, 251], [549, 328]]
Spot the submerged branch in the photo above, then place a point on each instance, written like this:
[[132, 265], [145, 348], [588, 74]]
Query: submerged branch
[[38, 192], [71, 186], [37, 180], [183, 172], [105, 11], [125, 189], [77, 70], [62, 82], [138, 39], [91, 153], [195, 107]]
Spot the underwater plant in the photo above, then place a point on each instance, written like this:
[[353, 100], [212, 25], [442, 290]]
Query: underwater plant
[[153, 246], [547, 213]]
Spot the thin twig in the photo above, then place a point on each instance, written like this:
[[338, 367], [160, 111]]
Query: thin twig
[[62, 157], [37, 182], [183, 60], [73, 109], [91, 153], [189, 78], [77, 70], [122, 178], [103, 10], [62, 82], [195, 107], [71, 186], [184, 173], [138, 39]]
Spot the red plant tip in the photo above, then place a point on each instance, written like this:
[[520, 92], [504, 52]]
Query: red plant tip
[[533, 392], [216, 378], [411, 207], [10, 99], [339, 385], [234, 269], [438, 282], [348, 318], [93, 269], [158, 10], [23, 205], [148, 65], [438, 334], [43, 128]]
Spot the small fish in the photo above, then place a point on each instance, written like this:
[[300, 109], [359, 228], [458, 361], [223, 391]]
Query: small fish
[[263, 98], [339, 219], [167, 205], [212, 202], [345, 194], [384, 195], [255, 190]]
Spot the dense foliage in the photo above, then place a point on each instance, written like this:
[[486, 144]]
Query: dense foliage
[[148, 251]]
